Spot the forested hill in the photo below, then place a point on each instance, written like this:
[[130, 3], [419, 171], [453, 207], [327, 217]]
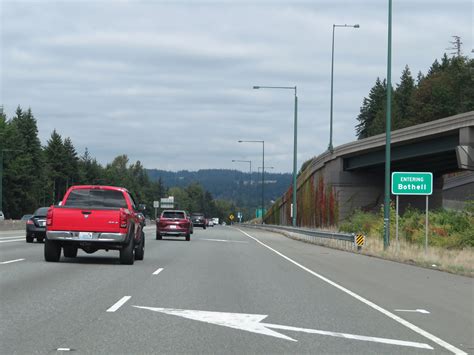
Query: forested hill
[[228, 184]]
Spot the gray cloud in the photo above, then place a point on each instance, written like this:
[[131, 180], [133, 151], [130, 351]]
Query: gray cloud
[[169, 82]]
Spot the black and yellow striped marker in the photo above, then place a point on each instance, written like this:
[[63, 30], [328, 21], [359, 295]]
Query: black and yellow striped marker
[[359, 240]]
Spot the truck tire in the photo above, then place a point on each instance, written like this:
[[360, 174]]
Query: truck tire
[[140, 250], [52, 251], [29, 238], [188, 237], [158, 236], [126, 253], [70, 251]]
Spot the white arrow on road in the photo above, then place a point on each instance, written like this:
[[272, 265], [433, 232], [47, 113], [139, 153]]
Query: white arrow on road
[[251, 323], [424, 311]]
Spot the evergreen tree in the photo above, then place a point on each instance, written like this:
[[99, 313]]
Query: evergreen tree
[[403, 97], [368, 120], [90, 171], [71, 169], [56, 163]]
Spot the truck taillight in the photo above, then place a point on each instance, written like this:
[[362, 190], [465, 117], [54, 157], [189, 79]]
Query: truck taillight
[[49, 216], [123, 218]]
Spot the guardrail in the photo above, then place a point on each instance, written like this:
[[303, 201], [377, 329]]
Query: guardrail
[[310, 235]]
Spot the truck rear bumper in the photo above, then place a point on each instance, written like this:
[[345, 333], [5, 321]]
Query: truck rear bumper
[[86, 236]]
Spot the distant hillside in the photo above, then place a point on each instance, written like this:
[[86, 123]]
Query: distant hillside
[[225, 184]]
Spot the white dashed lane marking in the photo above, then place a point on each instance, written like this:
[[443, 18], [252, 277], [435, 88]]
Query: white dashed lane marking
[[11, 261], [119, 304]]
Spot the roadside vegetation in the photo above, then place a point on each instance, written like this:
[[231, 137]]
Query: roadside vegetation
[[450, 237]]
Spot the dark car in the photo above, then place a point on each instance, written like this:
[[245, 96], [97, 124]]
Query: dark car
[[36, 225], [173, 223], [198, 219]]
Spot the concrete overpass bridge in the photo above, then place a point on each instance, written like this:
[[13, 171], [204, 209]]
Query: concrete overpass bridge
[[352, 176]]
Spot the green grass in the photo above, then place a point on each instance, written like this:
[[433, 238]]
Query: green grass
[[450, 238], [447, 229]]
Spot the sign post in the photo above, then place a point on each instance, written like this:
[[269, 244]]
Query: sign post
[[412, 183]]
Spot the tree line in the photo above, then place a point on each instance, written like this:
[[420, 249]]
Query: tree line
[[36, 175], [447, 89]]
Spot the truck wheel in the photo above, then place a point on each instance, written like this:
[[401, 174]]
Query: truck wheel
[[188, 237], [140, 250], [52, 251], [126, 253], [70, 251], [29, 238], [203, 227], [158, 236]]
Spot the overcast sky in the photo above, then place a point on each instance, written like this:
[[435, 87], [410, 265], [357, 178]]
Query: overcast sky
[[169, 83]]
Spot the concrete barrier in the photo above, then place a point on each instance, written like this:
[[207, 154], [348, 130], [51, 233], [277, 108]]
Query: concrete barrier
[[12, 224]]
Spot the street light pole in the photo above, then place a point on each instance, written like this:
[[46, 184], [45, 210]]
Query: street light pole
[[295, 144], [386, 207], [263, 171], [330, 147]]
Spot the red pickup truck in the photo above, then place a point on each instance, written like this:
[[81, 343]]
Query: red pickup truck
[[95, 217]]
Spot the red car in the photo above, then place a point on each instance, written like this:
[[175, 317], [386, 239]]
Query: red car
[[92, 218], [173, 223]]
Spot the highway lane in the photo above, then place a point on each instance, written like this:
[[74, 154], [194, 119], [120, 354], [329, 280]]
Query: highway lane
[[46, 306], [449, 298]]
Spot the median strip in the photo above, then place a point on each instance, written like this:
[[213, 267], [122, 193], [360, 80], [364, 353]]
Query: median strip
[[119, 304]]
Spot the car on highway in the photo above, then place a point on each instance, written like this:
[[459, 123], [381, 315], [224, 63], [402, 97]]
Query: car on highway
[[2, 216], [173, 223], [36, 225], [210, 222], [26, 217], [93, 217], [198, 219]]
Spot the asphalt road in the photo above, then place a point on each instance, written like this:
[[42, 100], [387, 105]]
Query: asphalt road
[[228, 291]]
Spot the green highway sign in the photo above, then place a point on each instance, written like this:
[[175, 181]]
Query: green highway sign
[[407, 183]]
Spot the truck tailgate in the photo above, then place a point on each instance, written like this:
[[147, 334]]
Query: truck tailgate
[[86, 220]]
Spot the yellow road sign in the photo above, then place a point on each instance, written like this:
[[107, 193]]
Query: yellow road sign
[[359, 240], [231, 217]]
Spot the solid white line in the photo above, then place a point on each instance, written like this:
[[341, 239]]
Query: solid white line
[[14, 240], [16, 237], [11, 261], [63, 349], [119, 304], [223, 240], [389, 314], [158, 271]]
